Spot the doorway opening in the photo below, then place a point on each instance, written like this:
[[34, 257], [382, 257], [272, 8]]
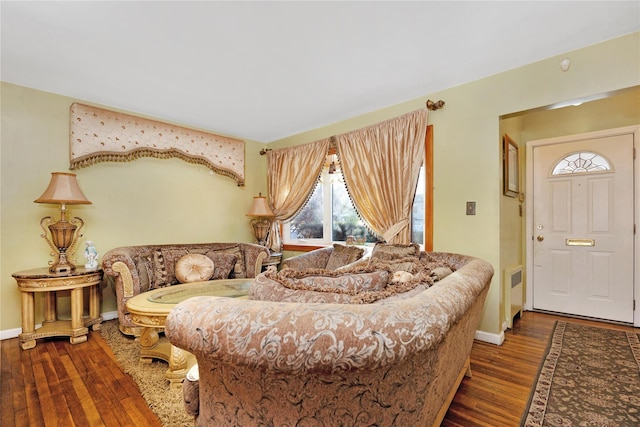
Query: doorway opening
[[590, 114]]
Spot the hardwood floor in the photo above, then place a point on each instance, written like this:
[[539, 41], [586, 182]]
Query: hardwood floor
[[57, 383], [503, 376]]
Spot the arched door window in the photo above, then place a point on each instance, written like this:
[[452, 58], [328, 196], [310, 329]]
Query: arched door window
[[582, 162]]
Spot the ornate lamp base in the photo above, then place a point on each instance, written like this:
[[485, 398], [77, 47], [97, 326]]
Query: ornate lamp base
[[62, 242], [261, 227]]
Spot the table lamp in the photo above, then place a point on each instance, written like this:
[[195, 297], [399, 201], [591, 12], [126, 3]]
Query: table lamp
[[63, 189], [262, 221]]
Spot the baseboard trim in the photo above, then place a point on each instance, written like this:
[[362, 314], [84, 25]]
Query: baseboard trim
[[14, 333], [496, 339], [110, 315]]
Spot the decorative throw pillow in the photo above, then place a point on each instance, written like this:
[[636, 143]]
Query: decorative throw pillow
[[362, 262], [164, 261], [401, 276], [265, 288], [440, 273], [171, 257], [400, 264], [194, 268], [351, 283], [239, 270], [224, 264], [393, 251], [343, 255], [144, 264], [158, 272], [437, 269], [287, 285]]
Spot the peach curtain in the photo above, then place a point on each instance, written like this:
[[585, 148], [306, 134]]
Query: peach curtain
[[381, 165], [291, 178]]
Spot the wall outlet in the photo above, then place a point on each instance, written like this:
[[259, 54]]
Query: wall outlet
[[471, 208]]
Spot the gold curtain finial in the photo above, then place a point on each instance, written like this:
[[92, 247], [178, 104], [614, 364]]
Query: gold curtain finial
[[333, 143], [433, 106], [264, 151]]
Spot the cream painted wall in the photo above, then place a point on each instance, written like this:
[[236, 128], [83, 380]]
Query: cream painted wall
[[144, 201], [468, 154], [619, 109]]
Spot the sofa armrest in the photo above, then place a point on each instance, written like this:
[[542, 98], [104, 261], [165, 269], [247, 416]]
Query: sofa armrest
[[315, 259], [254, 254], [119, 264]]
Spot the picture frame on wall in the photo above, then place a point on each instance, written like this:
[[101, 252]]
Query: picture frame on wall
[[511, 167]]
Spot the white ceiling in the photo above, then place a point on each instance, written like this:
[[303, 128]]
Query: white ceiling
[[266, 70]]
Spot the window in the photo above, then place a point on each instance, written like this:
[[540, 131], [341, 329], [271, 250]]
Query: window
[[329, 215], [418, 211], [583, 162]]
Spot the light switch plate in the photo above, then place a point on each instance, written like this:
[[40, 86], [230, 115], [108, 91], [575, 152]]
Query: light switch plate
[[471, 208]]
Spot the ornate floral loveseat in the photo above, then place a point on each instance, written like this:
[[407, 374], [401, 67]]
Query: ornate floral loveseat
[[395, 361], [138, 269]]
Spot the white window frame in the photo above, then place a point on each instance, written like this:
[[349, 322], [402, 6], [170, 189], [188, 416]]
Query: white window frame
[[326, 218], [327, 215]]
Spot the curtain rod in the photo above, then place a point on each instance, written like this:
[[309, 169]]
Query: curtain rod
[[433, 106]]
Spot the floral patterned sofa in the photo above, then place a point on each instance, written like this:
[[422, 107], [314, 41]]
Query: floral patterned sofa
[[138, 269], [393, 359]]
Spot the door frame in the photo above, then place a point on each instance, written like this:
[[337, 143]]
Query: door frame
[[529, 231]]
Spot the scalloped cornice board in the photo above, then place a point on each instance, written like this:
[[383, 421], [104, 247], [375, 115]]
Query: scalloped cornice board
[[98, 135]]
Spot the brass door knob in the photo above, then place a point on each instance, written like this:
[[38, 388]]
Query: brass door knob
[[540, 238]]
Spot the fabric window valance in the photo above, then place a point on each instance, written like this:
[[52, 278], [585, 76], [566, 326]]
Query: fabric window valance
[[98, 135]]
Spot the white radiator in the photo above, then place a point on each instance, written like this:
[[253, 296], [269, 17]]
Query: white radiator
[[513, 293]]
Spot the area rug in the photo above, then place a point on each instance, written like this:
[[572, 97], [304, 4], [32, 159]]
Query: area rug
[[165, 402], [590, 376]]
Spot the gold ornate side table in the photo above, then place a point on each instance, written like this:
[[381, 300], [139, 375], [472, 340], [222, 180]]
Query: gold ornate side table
[[37, 280]]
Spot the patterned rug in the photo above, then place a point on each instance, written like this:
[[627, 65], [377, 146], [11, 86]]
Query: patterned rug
[[165, 402], [590, 376]]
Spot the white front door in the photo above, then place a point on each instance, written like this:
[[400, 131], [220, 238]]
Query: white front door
[[583, 227]]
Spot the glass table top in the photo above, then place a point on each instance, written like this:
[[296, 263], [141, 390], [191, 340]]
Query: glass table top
[[230, 288]]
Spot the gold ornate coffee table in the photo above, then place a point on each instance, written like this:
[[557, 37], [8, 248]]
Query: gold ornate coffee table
[[150, 310]]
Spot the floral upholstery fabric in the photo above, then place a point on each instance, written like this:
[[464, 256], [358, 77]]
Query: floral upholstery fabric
[[223, 264], [306, 364], [322, 258], [137, 269], [343, 255], [165, 259], [390, 251], [355, 285], [240, 267], [346, 281], [165, 265], [408, 264], [374, 281]]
